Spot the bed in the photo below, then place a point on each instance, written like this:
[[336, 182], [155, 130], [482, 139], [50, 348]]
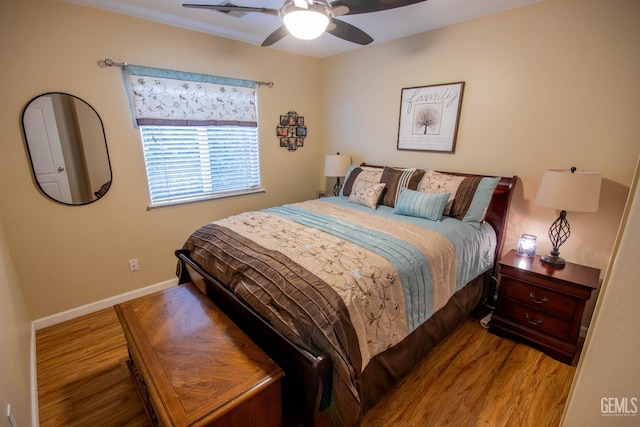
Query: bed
[[348, 293]]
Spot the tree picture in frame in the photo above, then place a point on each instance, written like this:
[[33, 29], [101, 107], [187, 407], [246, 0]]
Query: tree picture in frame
[[429, 117]]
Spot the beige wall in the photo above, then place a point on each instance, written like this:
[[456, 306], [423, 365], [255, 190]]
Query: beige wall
[[552, 85], [15, 327], [70, 256], [609, 372]]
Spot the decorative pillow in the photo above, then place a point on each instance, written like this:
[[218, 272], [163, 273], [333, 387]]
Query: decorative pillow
[[481, 199], [396, 180], [366, 193], [348, 179], [462, 203], [361, 173], [421, 205], [464, 197], [436, 182]]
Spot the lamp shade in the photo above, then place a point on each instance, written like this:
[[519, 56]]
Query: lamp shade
[[570, 190], [336, 164]]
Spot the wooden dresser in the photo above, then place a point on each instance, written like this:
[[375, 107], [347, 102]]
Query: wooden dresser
[[541, 304], [194, 367]]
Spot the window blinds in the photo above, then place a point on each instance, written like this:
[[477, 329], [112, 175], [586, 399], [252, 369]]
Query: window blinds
[[199, 134], [191, 163]]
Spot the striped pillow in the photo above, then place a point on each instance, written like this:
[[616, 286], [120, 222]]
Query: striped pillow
[[464, 196], [421, 205], [396, 180], [481, 199]]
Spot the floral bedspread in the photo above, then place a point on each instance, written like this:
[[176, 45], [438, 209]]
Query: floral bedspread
[[334, 280]]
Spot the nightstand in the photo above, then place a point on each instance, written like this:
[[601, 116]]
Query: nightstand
[[541, 304]]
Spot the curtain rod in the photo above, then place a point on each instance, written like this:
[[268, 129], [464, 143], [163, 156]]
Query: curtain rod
[[111, 63]]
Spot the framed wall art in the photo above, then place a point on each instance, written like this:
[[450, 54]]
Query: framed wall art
[[291, 131], [429, 117]]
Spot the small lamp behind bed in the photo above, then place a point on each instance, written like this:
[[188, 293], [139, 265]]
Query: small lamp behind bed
[[336, 165]]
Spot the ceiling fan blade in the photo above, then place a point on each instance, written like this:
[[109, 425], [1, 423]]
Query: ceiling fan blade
[[276, 36], [348, 32], [367, 6], [232, 8]]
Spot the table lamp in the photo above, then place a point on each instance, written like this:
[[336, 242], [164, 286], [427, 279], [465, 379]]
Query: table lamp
[[336, 165], [566, 190]]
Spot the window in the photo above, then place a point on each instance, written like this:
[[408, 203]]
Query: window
[[199, 134], [186, 163]]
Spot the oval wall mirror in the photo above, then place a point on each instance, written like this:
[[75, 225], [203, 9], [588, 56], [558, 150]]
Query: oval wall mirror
[[67, 148]]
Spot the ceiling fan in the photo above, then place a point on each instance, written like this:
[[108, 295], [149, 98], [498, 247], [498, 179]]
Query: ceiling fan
[[308, 19]]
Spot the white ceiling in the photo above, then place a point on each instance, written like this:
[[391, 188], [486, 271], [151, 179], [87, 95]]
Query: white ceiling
[[253, 28]]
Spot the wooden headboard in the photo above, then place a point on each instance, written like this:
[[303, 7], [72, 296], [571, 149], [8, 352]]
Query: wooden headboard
[[498, 211]]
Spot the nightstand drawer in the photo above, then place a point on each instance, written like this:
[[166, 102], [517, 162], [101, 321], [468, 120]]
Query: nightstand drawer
[[540, 298], [537, 320]]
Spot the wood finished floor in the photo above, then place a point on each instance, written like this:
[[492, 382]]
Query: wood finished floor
[[472, 379]]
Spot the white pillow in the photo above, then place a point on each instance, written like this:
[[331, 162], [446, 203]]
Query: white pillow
[[366, 193], [436, 182]]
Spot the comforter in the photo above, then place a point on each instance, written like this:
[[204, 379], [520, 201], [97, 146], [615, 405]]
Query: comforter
[[341, 279]]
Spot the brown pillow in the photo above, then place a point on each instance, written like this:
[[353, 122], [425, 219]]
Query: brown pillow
[[464, 197], [396, 180], [348, 184]]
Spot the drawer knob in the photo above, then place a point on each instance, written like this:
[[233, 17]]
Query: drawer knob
[[544, 300], [536, 323]]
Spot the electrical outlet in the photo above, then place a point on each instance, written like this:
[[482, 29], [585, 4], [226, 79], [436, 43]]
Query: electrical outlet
[[133, 265], [12, 420]]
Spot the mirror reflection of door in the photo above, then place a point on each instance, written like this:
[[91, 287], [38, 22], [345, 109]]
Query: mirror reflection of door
[[47, 159], [67, 148]]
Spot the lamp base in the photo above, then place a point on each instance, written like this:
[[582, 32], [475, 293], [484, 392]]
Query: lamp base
[[336, 187], [559, 232], [554, 260]]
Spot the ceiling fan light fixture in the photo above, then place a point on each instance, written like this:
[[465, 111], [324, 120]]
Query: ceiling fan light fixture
[[306, 24]]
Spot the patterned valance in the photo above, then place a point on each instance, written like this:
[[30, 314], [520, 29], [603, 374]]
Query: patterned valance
[[176, 98]]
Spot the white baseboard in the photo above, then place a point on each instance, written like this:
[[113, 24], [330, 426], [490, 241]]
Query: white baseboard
[[54, 319]]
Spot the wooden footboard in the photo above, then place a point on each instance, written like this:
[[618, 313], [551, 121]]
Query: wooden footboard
[[306, 388]]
